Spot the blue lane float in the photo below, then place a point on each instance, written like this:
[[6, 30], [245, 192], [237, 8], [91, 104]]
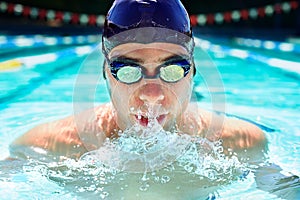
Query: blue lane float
[[286, 65], [33, 61], [35, 41], [268, 45], [58, 61]]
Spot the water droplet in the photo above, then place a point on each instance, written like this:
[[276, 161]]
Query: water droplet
[[144, 178], [211, 174], [104, 194], [188, 168], [211, 197], [156, 179], [144, 187], [164, 179], [80, 189]]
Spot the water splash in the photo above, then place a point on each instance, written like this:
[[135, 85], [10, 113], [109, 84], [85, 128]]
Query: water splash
[[146, 158], [147, 149], [141, 149], [208, 160]]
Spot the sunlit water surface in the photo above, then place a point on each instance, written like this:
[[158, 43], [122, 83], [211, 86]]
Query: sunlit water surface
[[161, 164]]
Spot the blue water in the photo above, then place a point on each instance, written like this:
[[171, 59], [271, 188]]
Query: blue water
[[242, 87]]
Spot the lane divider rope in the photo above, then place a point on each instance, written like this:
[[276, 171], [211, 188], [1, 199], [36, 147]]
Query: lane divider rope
[[98, 20], [286, 65], [268, 45], [244, 14], [33, 61], [33, 41]]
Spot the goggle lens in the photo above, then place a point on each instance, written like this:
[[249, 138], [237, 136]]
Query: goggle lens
[[171, 73], [131, 73]]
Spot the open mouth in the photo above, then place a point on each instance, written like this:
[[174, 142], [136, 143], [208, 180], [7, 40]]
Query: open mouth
[[144, 121]]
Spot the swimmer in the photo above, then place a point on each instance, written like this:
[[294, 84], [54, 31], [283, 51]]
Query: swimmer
[[149, 68]]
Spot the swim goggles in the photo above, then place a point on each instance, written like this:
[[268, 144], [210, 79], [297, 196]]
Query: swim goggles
[[171, 71]]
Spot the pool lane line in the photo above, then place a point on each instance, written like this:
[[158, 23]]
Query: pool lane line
[[286, 65], [33, 61], [268, 44], [207, 45], [35, 82], [35, 41], [261, 126]]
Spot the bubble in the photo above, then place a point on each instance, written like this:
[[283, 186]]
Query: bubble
[[211, 197], [144, 187], [104, 195], [188, 168], [165, 179]]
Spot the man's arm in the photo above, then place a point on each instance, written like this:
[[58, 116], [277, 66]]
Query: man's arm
[[237, 135], [56, 139], [69, 137]]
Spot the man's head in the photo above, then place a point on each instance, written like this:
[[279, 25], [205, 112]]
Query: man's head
[[147, 21], [148, 47]]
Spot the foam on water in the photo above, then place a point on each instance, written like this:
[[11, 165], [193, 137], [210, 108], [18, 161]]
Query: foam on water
[[146, 158], [146, 149], [143, 159], [140, 149]]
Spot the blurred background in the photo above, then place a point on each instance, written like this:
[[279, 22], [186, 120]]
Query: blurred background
[[273, 19]]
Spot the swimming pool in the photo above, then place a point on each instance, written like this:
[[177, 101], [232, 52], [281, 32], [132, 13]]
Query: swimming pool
[[252, 86]]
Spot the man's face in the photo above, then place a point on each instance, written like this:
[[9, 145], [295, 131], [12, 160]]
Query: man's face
[[150, 97]]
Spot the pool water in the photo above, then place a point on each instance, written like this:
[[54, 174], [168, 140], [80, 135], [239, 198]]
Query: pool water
[[248, 87]]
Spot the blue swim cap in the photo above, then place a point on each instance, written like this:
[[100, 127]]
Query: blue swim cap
[[146, 21]]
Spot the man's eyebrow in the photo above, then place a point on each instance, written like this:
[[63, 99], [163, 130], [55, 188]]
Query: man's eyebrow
[[125, 58], [141, 61], [174, 58]]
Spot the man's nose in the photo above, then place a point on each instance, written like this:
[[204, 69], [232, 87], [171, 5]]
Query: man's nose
[[152, 93]]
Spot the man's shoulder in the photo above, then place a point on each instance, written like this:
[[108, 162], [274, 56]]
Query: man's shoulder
[[104, 113], [105, 118], [103, 108]]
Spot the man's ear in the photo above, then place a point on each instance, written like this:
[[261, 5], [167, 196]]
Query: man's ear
[[104, 75], [194, 66]]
